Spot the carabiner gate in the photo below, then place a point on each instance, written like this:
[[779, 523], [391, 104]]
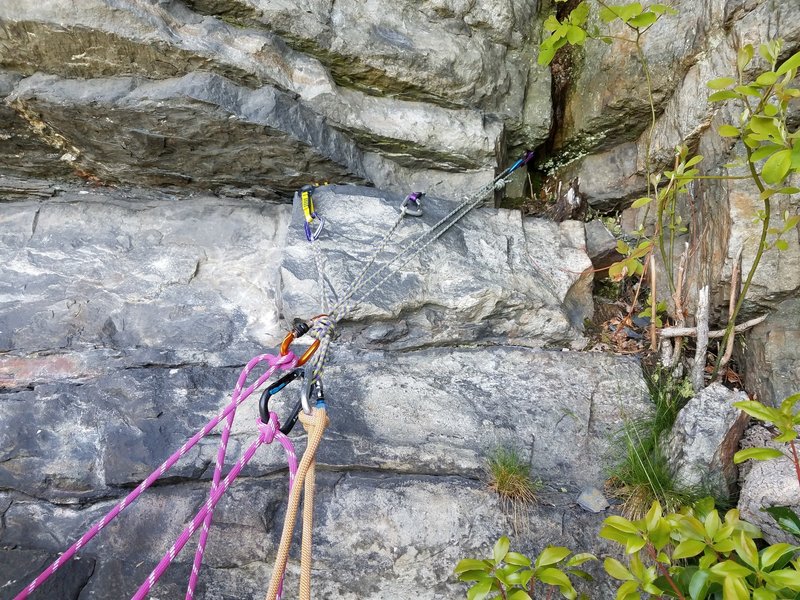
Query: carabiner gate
[[308, 390], [263, 402]]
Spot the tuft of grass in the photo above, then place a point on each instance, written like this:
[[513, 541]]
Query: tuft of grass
[[642, 474], [510, 477]]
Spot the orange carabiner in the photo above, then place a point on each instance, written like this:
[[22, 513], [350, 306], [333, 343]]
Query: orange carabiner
[[296, 333], [290, 337]]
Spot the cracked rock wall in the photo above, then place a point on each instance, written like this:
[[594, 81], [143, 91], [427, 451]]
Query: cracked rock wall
[[127, 315]]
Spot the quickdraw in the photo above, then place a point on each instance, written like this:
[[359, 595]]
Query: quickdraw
[[307, 202]]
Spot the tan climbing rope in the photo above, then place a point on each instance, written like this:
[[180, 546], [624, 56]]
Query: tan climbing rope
[[315, 425]]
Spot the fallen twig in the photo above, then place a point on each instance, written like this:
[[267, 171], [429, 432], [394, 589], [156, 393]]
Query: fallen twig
[[672, 332]]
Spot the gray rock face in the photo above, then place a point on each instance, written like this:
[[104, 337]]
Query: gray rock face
[[348, 80], [126, 317], [601, 245], [768, 483], [703, 440], [484, 280], [772, 354]]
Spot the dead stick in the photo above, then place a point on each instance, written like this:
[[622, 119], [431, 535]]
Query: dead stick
[[672, 332], [701, 331], [677, 298], [654, 305], [736, 275]]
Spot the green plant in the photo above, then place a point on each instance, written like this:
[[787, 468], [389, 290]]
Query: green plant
[[641, 473], [510, 476], [763, 128], [785, 420], [764, 131], [697, 554], [514, 576]]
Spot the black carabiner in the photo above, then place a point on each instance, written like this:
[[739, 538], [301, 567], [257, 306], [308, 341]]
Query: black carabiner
[[263, 402]]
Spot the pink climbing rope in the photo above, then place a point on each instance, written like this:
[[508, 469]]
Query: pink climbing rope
[[268, 432], [285, 363]]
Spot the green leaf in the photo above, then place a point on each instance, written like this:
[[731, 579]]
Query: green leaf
[[471, 564], [515, 558], [607, 15], [764, 151], [552, 576], [756, 454], [643, 20], [776, 168], [734, 588], [758, 410], [580, 558], [580, 573], [551, 24], [729, 568], [518, 595], [728, 131], [474, 576], [763, 594], [521, 577], [576, 35], [698, 585], [723, 95], [787, 405], [748, 90], [789, 578], [688, 548], [663, 9], [720, 83], [480, 590], [546, 55], [613, 534], [500, 549], [790, 63], [765, 125], [787, 519], [746, 549], [634, 544], [628, 591], [579, 14], [653, 516], [629, 11], [782, 245], [621, 523], [552, 555], [712, 524], [744, 56], [617, 570], [767, 78], [771, 554]]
